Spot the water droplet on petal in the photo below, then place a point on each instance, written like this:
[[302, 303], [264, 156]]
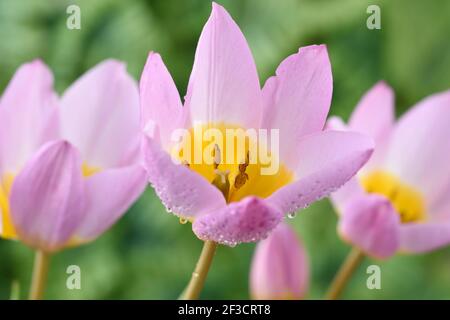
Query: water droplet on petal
[[183, 220], [291, 215]]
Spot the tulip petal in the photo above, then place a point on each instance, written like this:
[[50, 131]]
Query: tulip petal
[[122, 187], [374, 115], [327, 161], [423, 237], [297, 100], [248, 220], [420, 147], [182, 191], [47, 197], [29, 115], [160, 101], [100, 115], [224, 85], [372, 224], [279, 267]]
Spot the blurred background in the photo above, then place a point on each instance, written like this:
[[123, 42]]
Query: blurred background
[[148, 254]]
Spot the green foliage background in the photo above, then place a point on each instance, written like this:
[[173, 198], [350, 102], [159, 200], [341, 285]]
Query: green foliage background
[[148, 254]]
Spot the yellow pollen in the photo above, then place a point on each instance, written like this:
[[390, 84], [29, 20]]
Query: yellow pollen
[[228, 166], [406, 200], [88, 170], [7, 230]]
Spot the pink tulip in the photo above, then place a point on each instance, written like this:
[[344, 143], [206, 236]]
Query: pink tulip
[[69, 172], [400, 199], [279, 268], [224, 92]]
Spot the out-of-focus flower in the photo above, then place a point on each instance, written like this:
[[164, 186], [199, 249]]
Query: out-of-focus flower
[[232, 201], [279, 268], [400, 199], [68, 191]]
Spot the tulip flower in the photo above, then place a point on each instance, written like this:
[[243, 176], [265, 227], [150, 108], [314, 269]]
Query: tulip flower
[[399, 200], [279, 268], [78, 169], [229, 200]]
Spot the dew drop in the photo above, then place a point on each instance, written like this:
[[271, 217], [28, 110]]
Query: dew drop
[[183, 221], [291, 215]]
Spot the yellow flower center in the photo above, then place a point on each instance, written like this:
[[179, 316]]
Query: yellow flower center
[[406, 200], [235, 160], [7, 229]]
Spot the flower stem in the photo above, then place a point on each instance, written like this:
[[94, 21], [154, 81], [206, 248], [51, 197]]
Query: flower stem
[[195, 286], [341, 279], [40, 272]]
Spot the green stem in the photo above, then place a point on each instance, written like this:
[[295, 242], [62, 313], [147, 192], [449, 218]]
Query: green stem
[[40, 272], [195, 286], [344, 274]]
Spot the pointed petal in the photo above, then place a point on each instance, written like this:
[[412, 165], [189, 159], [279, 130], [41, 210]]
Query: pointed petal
[[123, 186], [224, 85], [374, 114], [372, 224], [248, 220], [181, 190], [160, 101], [100, 115], [297, 100], [327, 161], [424, 237], [421, 141], [28, 113], [279, 267], [47, 197]]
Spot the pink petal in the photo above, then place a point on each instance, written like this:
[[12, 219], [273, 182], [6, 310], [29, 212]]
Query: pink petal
[[372, 224], [47, 197], [182, 190], [374, 115], [420, 147], [297, 99], [122, 187], [160, 101], [279, 268], [224, 85], [327, 160], [248, 220], [346, 193], [424, 237], [100, 115], [28, 113]]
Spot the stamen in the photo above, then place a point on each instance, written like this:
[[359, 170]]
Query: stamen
[[242, 176], [222, 182], [217, 156]]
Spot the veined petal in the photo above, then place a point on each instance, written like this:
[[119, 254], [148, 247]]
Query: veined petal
[[374, 115], [183, 191], [424, 237], [421, 141], [327, 161], [159, 98], [100, 115], [297, 100], [47, 198], [224, 85], [372, 224], [122, 187], [29, 115], [279, 267], [248, 220]]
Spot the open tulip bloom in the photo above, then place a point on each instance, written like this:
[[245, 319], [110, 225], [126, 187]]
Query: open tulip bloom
[[400, 200], [279, 267], [229, 198], [69, 167]]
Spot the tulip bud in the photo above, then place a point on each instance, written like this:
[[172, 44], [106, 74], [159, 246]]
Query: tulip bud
[[279, 268]]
